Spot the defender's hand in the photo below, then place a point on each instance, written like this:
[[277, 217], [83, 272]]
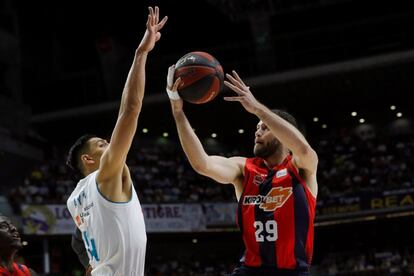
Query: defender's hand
[[152, 34]]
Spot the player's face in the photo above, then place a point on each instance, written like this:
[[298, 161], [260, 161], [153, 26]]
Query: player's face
[[9, 236], [97, 147], [265, 143]]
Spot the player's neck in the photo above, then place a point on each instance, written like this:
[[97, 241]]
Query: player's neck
[[6, 261], [90, 170], [275, 159]]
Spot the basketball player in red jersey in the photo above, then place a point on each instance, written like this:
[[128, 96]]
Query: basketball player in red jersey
[[276, 190], [10, 243]]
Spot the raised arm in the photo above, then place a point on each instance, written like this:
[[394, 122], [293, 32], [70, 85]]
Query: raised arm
[[304, 156], [113, 159], [221, 169]]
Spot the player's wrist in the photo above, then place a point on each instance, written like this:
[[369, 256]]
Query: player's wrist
[[173, 95], [259, 110], [176, 110], [140, 51]]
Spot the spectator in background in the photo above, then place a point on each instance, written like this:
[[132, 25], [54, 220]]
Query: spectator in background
[[10, 243]]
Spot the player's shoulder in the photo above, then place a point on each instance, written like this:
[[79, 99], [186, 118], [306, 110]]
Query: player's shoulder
[[254, 161], [239, 161], [81, 188], [87, 180]]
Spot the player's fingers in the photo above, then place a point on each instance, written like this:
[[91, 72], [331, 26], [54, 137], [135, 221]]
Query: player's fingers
[[233, 99], [234, 88], [170, 76], [234, 81], [161, 24], [152, 13], [149, 20], [178, 82], [238, 77], [157, 14]]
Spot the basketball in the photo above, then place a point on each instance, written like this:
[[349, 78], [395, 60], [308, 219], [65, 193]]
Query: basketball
[[202, 77]]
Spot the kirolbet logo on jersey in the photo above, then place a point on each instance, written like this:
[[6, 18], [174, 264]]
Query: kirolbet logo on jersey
[[276, 197]]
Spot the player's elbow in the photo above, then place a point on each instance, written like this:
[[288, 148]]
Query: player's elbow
[[306, 152], [310, 157], [200, 167]]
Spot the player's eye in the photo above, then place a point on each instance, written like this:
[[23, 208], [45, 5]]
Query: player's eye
[[4, 225]]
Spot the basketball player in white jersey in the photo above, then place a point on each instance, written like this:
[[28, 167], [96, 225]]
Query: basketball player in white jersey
[[104, 204]]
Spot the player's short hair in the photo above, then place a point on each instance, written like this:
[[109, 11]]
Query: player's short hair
[[78, 148], [287, 116]]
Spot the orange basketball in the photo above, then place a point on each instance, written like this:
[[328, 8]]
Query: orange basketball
[[202, 77]]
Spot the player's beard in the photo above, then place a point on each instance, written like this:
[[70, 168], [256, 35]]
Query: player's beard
[[266, 149]]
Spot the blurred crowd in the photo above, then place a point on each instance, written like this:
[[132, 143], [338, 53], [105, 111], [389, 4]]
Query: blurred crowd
[[373, 262], [348, 165]]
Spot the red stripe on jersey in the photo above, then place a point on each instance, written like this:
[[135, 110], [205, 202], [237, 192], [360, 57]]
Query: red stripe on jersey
[[309, 240], [252, 255]]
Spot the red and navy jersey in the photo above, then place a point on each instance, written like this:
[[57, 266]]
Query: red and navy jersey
[[19, 270], [275, 215]]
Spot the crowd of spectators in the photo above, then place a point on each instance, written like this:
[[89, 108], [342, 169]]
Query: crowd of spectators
[[348, 165], [373, 262]]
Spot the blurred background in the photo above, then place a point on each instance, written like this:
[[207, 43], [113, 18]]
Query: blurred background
[[343, 68]]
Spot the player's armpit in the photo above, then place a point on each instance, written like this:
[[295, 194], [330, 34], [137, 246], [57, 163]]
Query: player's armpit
[[306, 161], [224, 170]]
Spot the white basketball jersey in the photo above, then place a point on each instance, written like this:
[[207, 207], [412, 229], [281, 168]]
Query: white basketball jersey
[[113, 233]]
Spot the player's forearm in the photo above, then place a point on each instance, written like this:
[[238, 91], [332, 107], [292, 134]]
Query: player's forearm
[[191, 144], [135, 85], [285, 132]]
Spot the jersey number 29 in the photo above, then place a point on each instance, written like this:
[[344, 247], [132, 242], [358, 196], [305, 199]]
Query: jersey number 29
[[267, 231]]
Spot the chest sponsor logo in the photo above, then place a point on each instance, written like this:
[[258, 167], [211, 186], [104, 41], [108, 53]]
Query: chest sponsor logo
[[276, 197], [281, 173], [80, 219], [79, 199]]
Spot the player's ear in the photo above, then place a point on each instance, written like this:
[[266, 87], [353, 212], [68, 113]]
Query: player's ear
[[87, 159]]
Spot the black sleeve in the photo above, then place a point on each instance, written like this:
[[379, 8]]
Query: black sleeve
[[32, 272], [79, 247]]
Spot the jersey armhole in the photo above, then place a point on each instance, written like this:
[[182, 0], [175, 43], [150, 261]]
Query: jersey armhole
[[245, 181]]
